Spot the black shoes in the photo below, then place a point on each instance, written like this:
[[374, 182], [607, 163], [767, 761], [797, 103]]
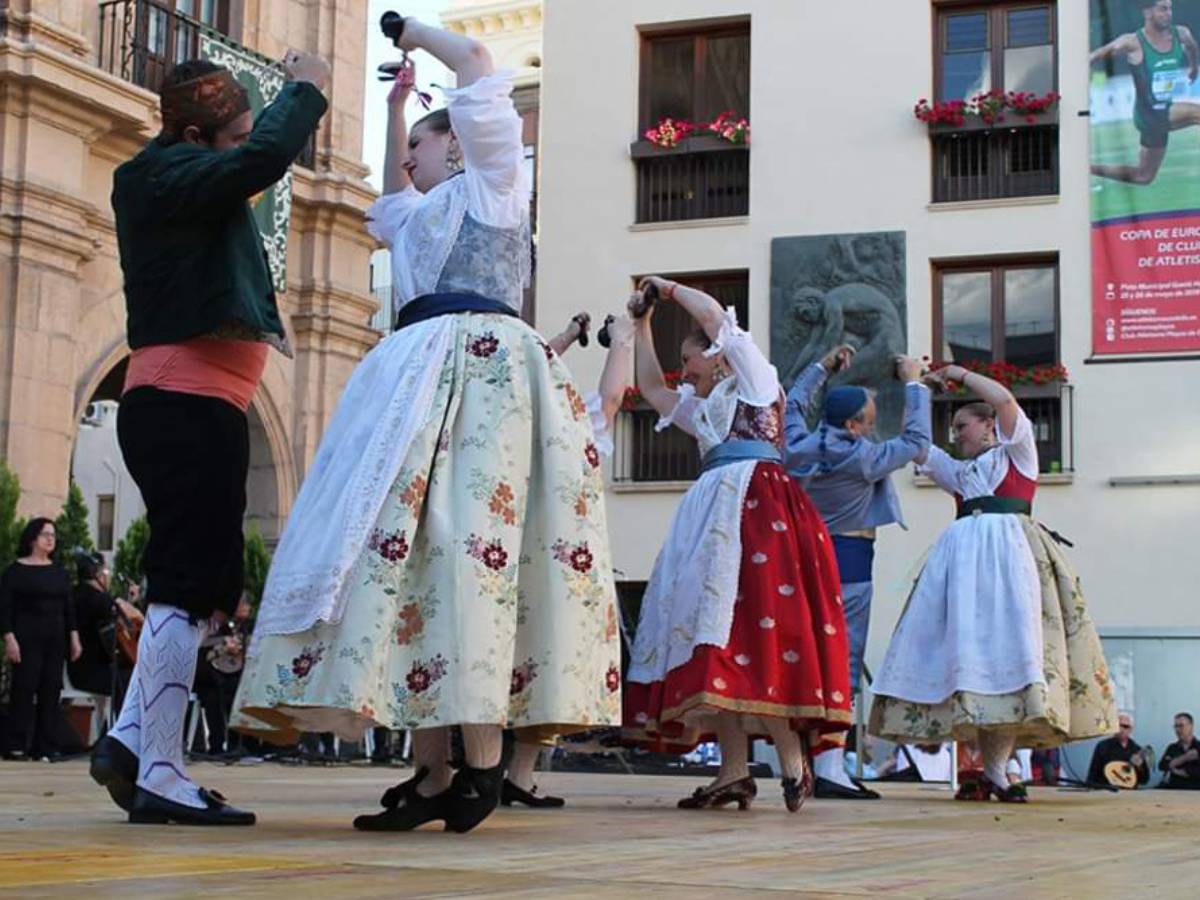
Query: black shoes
[[115, 768], [471, 798], [150, 809], [831, 790], [404, 809], [474, 795], [510, 794]]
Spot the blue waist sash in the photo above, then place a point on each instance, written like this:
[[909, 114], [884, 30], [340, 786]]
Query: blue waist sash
[[855, 556], [739, 451], [430, 306]]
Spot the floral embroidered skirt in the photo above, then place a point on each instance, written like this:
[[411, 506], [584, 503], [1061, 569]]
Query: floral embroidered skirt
[[484, 594], [787, 653], [1074, 702]]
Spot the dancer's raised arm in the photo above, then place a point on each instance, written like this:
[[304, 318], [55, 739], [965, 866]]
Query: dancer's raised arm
[[395, 173], [466, 57], [1008, 411], [700, 306], [650, 379], [577, 327], [615, 377]]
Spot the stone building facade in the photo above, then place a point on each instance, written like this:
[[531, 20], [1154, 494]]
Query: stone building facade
[[77, 98]]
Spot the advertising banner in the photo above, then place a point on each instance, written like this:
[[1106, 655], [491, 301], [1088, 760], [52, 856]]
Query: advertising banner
[[1145, 165]]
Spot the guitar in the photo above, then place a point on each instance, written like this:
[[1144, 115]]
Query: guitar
[[226, 659], [1124, 775], [128, 633]]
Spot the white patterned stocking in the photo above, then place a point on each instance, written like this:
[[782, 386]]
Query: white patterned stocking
[[166, 667]]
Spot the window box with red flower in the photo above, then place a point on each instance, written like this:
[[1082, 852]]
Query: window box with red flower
[[689, 171], [988, 111]]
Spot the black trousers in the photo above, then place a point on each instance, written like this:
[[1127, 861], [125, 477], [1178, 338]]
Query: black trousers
[[189, 456], [37, 683]]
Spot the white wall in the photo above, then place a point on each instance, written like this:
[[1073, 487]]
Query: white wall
[[98, 469], [835, 148]]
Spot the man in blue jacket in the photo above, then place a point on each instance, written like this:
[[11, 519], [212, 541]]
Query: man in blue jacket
[[847, 475]]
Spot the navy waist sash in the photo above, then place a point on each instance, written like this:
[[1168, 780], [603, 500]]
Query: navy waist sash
[[430, 306], [739, 451], [1010, 505], [855, 556]]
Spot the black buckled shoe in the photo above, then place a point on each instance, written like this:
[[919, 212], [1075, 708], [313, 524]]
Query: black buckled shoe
[[115, 768], [826, 789], [474, 795], [510, 794], [405, 809], [151, 809]]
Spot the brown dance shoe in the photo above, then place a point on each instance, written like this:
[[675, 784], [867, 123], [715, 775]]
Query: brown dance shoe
[[741, 792]]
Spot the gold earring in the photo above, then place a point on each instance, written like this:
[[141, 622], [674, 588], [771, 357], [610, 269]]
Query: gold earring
[[454, 161]]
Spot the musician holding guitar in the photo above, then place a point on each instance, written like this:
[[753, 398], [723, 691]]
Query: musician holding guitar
[[1120, 761], [99, 617], [1180, 764], [218, 671]]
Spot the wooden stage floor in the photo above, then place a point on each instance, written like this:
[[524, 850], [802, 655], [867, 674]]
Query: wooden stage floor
[[620, 836]]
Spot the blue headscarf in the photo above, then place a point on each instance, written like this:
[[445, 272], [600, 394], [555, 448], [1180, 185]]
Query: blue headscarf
[[842, 403]]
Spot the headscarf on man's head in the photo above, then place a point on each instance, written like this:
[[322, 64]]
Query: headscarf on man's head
[[208, 101], [842, 403]]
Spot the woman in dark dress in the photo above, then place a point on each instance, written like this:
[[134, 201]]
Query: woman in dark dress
[[37, 620]]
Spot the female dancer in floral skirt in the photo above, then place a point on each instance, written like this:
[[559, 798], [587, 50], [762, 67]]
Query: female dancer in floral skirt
[[741, 632], [996, 644], [447, 560]]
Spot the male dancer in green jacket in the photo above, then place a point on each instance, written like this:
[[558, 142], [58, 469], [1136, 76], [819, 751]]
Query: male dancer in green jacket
[[201, 312]]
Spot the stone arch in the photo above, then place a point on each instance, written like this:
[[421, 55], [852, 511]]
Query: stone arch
[[272, 482]]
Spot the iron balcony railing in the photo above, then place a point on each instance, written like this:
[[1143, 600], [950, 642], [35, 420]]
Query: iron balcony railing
[[643, 455], [141, 41], [702, 178], [995, 164]]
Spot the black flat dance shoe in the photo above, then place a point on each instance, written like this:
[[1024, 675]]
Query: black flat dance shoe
[[510, 794], [150, 809], [115, 768], [742, 792], [405, 809], [827, 789], [474, 795]]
